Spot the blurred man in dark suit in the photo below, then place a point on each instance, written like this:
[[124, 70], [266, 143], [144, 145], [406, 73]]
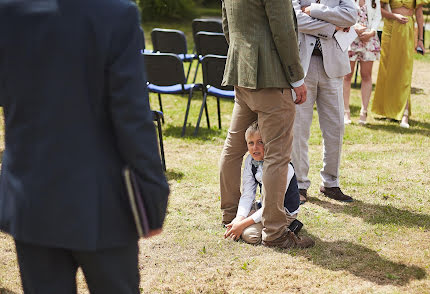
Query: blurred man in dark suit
[[76, 112]]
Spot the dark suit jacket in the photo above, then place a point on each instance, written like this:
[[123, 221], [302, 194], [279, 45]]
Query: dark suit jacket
[[76, 111]]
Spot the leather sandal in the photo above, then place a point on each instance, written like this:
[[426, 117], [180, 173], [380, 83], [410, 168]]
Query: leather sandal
[[405, 120], [363, 113], [347, 117]]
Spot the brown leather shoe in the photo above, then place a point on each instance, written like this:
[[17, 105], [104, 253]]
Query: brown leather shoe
[[290, 240], [303, 193], [335, 193]]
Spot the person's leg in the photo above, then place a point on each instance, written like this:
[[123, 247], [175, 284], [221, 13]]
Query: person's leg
[[46, 270], [405, 119], [276, 109], [302, 128], [232, 155], [366, 88], [113, 270], [252, 234], [346, 93], [330, 114]]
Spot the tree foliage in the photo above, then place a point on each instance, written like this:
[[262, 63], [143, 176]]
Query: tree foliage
[[167, 9]]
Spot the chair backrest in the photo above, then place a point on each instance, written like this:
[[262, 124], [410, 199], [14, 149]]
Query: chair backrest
[[213, 71], [164, 69], [206, 25], [169, 41], [211, 43]]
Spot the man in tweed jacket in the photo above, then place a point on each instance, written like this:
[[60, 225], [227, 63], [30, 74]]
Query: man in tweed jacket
[[263, 64]]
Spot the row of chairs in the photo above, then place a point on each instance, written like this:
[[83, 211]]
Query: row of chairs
[[166, 75], [208, 39], [165, 69]]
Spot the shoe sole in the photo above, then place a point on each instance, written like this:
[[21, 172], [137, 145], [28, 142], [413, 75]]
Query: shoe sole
[[347, 200]]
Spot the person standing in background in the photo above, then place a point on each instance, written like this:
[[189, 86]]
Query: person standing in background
[[365, 50], [76, 112], [325, 65], [263, 64], [393, 86]]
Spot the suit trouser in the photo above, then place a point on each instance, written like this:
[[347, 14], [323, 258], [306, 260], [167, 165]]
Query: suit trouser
[[274, 109], [327, 93], [47, 270]]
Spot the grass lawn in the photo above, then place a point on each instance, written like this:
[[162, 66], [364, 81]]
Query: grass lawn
[[380, 243]]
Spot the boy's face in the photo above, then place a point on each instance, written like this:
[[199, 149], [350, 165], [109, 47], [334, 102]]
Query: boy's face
[[256, 146]]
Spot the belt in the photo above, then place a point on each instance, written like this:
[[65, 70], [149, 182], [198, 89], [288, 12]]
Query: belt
[[316, 52]]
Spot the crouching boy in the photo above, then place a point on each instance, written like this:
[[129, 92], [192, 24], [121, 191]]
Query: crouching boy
[[247, 223]]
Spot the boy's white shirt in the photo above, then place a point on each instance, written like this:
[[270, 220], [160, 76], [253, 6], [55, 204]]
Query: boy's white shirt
[[249, 189]]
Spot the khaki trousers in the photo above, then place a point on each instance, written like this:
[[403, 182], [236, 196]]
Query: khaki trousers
[[327, 93], [252, 234], [275, 110]]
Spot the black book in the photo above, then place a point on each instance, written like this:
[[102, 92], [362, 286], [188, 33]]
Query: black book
[[136, 202]]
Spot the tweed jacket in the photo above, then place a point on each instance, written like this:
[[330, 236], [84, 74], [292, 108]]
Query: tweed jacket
[[263, 50], [322, 22]]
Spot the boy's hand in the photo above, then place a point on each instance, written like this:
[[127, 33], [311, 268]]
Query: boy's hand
[[234, 230]]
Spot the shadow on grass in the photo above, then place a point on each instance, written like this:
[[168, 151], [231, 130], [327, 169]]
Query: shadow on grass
[[361, 261], [174, 175], [204, 133], [417, 127], [6, 291], [377, 214]]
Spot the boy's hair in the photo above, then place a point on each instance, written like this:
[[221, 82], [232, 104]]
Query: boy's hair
[[252, 129]]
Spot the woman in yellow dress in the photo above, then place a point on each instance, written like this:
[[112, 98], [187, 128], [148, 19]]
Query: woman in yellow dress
[[393, 87]]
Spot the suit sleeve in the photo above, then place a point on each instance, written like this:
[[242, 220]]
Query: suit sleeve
[[344, 15], [283, 26], [225, 23], [312, 26], [131, 117]]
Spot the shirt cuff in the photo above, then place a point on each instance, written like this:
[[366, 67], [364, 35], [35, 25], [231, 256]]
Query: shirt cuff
[[256, 217], [298, 83], [241, 211]]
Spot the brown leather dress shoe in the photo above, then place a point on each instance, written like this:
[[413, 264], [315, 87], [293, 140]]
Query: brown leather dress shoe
[[335, 193], [303, 193], [290, 240]]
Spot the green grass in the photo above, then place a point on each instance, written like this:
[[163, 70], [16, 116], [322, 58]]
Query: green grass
[[377, 244]]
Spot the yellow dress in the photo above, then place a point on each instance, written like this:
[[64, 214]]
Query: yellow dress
[[393, 86]]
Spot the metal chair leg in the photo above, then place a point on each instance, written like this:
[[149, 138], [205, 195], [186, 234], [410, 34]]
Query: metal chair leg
[[219, 112], [197, 70], [356, 74], [207, 114], [161, 106], [189, 70], [160, 139], [201, 113], [186, 113]]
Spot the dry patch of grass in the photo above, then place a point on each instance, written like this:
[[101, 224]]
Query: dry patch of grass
[[377, 244]]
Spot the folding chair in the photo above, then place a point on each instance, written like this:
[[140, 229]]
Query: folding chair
[[213, 71], [209, 43], [172, 41], [206, 25], [165, 73], [157, 116]]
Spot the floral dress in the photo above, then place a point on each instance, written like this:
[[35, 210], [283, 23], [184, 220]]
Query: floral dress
[[359, 50]]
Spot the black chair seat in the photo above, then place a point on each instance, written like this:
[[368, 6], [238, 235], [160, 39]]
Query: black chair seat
[[174, 89], [213, 70], [187, 57], [165, 73], [220, 93]]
